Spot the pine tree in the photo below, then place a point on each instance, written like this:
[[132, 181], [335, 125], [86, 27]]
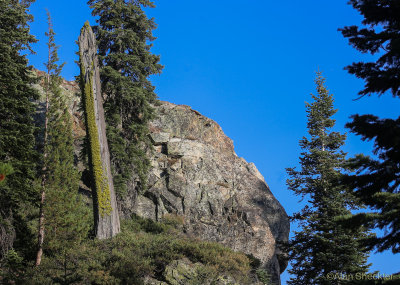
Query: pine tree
[[67, 217], [17, 139], [124, 36], [321, 246], [52, 69], [375, 181]]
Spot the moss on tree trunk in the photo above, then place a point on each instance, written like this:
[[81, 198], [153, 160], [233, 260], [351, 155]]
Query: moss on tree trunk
[[105, 206]]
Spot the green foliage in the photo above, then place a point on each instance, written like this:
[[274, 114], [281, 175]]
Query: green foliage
[[375, 181], [12, 266], [67, 217], [124, 36], [17, 139], [5, 169], [52, 67], [322, 246], [143, 248], [380, 35], [263, 276]]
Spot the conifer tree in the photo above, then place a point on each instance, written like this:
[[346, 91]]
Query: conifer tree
[[321, 246], [17, 139], [376, 181], [51, 68], [67, 220], [124, 36]]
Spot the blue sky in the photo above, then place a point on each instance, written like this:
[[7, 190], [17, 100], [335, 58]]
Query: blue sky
[[250, 66]]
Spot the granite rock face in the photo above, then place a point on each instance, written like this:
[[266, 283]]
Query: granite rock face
[[197, 175], [222, 198]]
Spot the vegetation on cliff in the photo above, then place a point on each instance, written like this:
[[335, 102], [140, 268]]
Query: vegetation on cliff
[[143, 249]]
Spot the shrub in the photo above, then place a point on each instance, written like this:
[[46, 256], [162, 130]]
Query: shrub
[[143, 248]]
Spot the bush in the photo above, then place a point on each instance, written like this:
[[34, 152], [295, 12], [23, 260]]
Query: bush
[[263, 276], [143, 248]]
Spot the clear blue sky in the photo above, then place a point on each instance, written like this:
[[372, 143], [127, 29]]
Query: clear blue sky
[[248, 65]]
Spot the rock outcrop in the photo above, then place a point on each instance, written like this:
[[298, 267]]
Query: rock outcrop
[[222, 198], [197, 175]]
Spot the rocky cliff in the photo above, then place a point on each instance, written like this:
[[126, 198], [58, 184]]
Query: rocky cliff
[[197, 175]]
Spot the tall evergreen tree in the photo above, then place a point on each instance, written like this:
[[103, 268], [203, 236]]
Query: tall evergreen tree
[[321, 246], [52, 69], [376, 181], [16, 124], [124, 36], [67, 218]]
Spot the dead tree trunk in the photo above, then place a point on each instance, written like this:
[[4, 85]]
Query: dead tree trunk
[[104, 202]]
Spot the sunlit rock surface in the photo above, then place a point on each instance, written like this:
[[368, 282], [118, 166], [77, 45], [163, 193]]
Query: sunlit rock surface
[[222, 198]]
